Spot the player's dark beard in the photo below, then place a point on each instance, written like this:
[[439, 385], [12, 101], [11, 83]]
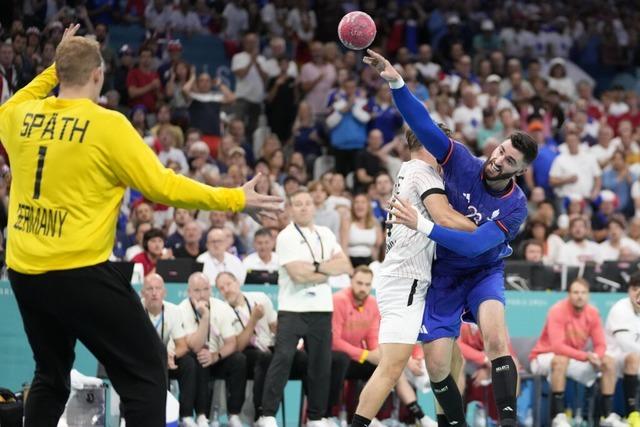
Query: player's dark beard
[[499, 177]]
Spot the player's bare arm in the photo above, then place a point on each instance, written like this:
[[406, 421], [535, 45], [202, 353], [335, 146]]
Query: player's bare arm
[[443, 214]]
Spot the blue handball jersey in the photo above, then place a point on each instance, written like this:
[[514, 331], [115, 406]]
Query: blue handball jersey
[[469, 195]]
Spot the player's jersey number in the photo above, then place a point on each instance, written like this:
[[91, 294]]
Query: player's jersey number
[[42, 152]]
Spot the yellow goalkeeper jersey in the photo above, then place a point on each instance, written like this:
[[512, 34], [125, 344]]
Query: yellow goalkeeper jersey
[[71, 161]]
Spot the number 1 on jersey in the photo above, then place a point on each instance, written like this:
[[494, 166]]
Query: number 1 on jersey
[[42, 152]]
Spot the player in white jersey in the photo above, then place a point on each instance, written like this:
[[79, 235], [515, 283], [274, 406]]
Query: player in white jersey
[[622, 330], [403, 278]]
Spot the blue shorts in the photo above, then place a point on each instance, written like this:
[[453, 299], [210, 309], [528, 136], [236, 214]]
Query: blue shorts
[[451, 299]]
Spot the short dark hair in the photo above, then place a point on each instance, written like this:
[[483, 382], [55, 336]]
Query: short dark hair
[[262, 232], [634, 280], [615, 219], [530, 242], [299, 191], [362, 269], [580, 280], [524, 143], [151, 234]]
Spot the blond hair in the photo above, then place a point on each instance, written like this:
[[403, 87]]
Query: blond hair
[[75, 59]]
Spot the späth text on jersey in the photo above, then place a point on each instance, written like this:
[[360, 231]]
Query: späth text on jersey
[[54, 126]]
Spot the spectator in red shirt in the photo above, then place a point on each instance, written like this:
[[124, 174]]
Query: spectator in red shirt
[[355, 323], [143, 83], [153, 244], [561, 352]]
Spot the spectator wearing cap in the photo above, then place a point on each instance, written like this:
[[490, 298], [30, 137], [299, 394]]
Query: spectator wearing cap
[[490, 128], [185, 21], [537, 175], [207, 97], [487, 41], [237, 156], [174, 48], [9, 75], [579, 249], [143, 83], [618, 244], [154, 250], [491, 97], [157, 15], [575, 172], [619, 179]]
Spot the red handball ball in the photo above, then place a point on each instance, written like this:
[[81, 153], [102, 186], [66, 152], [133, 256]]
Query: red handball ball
[[356, 30]]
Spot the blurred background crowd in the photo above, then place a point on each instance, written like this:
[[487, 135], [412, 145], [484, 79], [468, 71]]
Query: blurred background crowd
[[221, 90]]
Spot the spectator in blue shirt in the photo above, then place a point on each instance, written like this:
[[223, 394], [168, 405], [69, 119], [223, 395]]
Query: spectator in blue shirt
[[384, 114]]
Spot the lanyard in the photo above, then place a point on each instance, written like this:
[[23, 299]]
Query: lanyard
[[235, 310], [309, 245], [159, 322], [197, 315]]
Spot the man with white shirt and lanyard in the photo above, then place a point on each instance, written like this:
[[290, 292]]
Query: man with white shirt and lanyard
[[264, 261], [217, 259], [255, 325], [308, 255], [167, 319], [208, 323]]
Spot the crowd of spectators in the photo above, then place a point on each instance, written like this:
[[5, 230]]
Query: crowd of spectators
[[307, 113]]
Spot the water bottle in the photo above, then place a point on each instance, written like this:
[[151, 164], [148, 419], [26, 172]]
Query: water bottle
[[343, 416], [528, 421], [480, 417], [215, 421]]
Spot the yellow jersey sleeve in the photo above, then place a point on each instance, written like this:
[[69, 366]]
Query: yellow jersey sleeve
[[137, 166], [38, 88]]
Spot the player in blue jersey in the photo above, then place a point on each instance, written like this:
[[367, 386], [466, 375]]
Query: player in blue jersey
[[467, 275]]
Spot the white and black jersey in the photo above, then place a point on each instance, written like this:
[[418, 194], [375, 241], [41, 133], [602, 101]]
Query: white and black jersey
[[409, 253]]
